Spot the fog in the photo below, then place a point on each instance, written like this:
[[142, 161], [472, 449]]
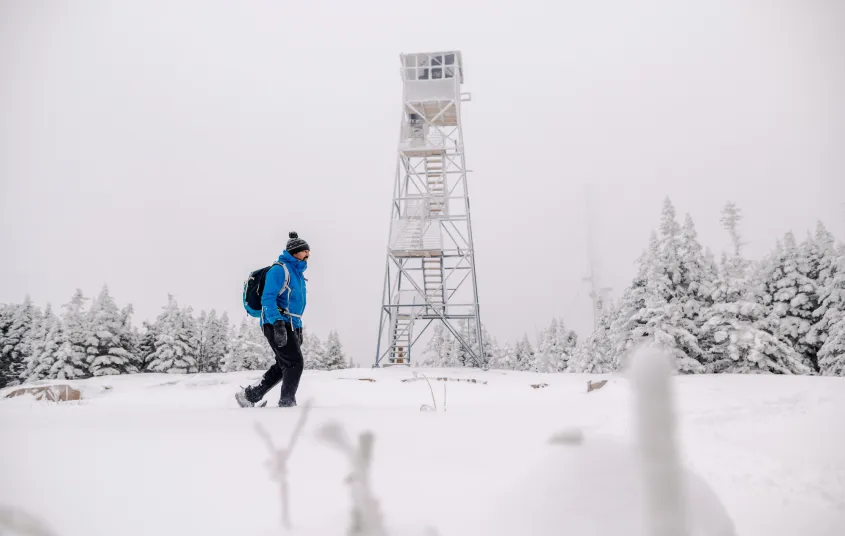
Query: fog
[[164, 148]]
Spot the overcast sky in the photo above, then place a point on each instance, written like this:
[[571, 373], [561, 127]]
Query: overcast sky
[[168, 147]]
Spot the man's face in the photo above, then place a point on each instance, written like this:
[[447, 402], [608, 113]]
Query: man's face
[[302, 255]]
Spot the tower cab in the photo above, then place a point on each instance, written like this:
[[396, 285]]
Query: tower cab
[[431, 93]]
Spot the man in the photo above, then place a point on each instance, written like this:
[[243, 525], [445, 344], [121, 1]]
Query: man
[[282, 306]]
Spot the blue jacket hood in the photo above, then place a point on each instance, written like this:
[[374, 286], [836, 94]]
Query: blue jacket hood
[[293, 262]]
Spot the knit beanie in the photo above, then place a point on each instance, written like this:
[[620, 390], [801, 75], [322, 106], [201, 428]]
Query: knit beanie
[[296, 244]]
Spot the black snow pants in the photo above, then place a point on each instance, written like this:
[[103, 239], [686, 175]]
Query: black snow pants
[[287, 368]]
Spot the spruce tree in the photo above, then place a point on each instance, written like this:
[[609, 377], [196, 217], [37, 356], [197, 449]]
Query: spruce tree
[[436, 348], [175, 344], [107, 352], [526, 356], [789, 295], [249, 349], [72, 356], [506, 358], [334, 357], [825, 270], [312, 350], [43, 348], [219, 340], [594, 355], [16, 343], [832, 324], [146, 346], [202, 342]]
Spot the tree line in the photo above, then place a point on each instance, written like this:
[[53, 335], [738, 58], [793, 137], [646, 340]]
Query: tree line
[[784, 313], [94, 337]]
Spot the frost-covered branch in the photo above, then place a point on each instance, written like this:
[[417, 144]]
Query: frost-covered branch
[[277, 464], [366, 517]]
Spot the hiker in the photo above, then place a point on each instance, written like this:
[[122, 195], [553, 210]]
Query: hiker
[[282, 305]]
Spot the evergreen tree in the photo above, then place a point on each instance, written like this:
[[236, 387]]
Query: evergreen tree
[[506, 358], [832, 353], [43, 347], [218, 338], [334, 358], [107, 354], [437, 347], [6, 314], [664, 302], [130, 338], [146, 346], [71, 356], [491, 349], [249, 350], [594, 355], [629, 315], [202, 325], [312, 350], [16, 342], [175, 344], [526, 357], [454, 354], [557, 344], [825, 269], [789, 295]]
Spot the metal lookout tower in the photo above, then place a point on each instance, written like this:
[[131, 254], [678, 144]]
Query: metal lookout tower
[[430, 272]]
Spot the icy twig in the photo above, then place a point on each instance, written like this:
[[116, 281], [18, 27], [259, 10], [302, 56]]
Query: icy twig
[[654, 417], [20, 522], [277, 464], [366, 517], [426, 407]]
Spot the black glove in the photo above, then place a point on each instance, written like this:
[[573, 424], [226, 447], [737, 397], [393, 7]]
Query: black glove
[[280, 334], [298, 332]]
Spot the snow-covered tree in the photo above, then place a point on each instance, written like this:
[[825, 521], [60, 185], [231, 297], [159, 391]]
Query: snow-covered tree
[[333, 357], [526, 357], [437, 347], [130, 338], [832, 353], [146, 346], [556, 346], [175, 344], [107, 354], [629, 315], [219, 339], [505, 358], [202, 328], [249, 350], [16, 342], [825, 269], [594, 355], [665, 300], [45, 341], [312, 350], [789, 294], [71, 357], [491, 348]]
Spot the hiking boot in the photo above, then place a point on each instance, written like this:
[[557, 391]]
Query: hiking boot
[[243, 401], [247, 398], [287, 403]]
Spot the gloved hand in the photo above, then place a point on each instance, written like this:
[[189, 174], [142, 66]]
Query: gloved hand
[[298, 332], [280, 334]]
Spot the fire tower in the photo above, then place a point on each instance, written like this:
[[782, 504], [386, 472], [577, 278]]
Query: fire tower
[[430, 273]]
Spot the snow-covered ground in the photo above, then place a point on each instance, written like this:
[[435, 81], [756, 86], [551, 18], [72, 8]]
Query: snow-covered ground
[[159, 454]]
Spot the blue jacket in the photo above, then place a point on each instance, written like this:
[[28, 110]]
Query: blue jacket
[[292, 299]]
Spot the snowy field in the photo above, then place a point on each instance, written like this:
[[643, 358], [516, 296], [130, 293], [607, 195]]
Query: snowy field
[[158, 454]]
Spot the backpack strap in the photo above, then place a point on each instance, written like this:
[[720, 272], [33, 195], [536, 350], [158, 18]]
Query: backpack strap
[[286, 286]]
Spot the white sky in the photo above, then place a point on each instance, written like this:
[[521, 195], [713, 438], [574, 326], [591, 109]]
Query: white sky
[[170, 148]]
